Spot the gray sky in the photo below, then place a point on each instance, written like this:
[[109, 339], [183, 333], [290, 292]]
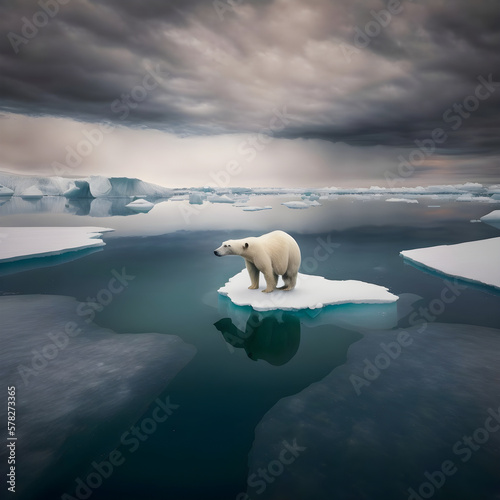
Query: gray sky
[[271, 92]]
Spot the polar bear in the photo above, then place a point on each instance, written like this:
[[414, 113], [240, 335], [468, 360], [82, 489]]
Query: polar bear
[[273, 254]]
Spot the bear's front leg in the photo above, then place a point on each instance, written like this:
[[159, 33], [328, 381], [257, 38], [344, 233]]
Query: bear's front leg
[[271, 282], [253, 272]]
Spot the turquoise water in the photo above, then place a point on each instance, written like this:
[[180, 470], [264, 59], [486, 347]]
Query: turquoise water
[[201, 451]]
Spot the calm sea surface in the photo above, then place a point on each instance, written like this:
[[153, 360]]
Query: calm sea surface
[[201, 451]]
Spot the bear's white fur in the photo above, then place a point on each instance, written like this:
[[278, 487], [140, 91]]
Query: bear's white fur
[[273, 254]]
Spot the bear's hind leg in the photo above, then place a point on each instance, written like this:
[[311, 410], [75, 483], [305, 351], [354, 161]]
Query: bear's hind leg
[[289, 282], [285, 281]]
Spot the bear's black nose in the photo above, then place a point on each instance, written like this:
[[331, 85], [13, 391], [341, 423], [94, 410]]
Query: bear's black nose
[[215, 252]]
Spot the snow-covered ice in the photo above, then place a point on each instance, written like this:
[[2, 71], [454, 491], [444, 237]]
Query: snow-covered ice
[[32, 192], [311, 292], [402, 200], [492, 216], [5, 191], [94, 186], [100, 186], [17, 243], [79, 386], [140, 205], [215, 198], [296, 204], [197, 198], [471, 197], [78, 189], [255, 209], [493, 219], [476, 261]]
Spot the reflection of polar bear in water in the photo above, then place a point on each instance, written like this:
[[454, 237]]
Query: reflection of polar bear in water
[[274, 254]]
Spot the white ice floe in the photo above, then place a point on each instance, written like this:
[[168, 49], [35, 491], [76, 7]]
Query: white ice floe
[[32, 193], [296, 204], [311, 292], [256, 209], [5, 191], [311, 197], [215, 198], [306, 203], [492, 216], [94, 186], [100, 186], [402, 200], [197, 198], [493, 219], [471, 197], [140, 205], [475, 261], [17, 243]]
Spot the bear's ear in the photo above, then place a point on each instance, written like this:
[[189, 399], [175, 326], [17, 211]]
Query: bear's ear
[[245, 246]]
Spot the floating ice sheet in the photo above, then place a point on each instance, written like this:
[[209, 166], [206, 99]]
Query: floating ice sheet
[[296, 204], [256, 209], [32, 192], [401, 405], [18, 243], [215, 198], [311, 292], [476, 261], [5, 191], [492, 216], [140, 205], [79, 387], [402, 200]]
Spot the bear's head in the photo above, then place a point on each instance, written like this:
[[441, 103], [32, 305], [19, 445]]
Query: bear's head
[[232, 247]]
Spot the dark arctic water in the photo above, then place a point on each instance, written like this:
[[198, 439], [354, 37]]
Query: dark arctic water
[[202, 450]]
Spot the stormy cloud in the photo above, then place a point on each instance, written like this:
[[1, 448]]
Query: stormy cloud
[[368, 74]]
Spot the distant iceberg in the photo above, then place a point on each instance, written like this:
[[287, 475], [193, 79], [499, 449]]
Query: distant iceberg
[[124, 186], [197, 198], [493, 218], [95, 186], [471, 197], [78, 189], [255, 209], [215, 198], [476, 261], [5, 191], [296, 204], [402, 200], [99, 186], [32, 193], [140, 205]]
